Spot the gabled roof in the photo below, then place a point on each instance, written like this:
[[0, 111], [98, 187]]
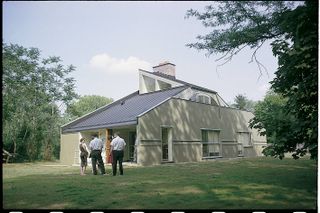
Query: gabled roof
[[173, 78], [122, 112]]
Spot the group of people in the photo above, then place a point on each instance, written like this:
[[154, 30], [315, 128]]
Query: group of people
[[95, 146]]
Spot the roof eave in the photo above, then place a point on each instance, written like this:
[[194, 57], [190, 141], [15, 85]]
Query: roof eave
[[96, 111], [102, 126]]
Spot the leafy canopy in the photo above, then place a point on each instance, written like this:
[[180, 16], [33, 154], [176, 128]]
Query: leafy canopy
[[33, 88], [293, 30], [272, 120], [86, 104]]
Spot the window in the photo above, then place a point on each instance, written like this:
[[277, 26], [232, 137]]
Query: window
[[210, 143], [164, 144], [150, 83], [202, 98], [244, 140], [163, 85], [240, 149]]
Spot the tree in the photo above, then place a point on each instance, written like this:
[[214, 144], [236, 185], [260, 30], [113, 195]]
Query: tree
[[240, 102], [86, 104], [293, 30], [272, 120], [32, 88], [243, 103]]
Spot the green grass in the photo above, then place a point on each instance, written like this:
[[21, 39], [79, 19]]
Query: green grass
[[256, 183]]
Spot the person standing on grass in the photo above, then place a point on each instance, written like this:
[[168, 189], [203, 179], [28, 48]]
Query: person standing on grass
[[117, 149], [84, 152], [96, 146]]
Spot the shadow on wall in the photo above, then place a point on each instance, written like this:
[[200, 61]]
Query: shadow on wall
[[187, 118], [149, 154]]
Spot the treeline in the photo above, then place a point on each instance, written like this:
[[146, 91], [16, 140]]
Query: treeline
[[38, 96]]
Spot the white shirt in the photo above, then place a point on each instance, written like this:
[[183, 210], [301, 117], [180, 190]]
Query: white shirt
[[118, 143], [96, 144]]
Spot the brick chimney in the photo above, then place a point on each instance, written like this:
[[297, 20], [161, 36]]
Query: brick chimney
[[166, 68]]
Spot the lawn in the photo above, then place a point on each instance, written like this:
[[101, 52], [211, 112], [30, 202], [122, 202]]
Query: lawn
[[252, 183]]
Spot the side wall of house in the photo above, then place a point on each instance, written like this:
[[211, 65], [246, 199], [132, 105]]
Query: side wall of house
[[187, 118], [69, 148]]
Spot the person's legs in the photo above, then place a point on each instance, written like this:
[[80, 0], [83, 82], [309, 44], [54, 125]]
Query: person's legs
[[81, 164], [85, 165], [120, 162], [101, 165], [114, 163], [94, 164]]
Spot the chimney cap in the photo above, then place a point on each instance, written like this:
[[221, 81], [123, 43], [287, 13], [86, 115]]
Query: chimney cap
[[164, 63]]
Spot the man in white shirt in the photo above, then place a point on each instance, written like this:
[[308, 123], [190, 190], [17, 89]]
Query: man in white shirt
[[96, 146], [117, 149]]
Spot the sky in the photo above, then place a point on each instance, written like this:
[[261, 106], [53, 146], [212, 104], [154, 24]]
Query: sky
[[109, 41]]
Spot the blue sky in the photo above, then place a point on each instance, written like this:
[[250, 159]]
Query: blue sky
[[109, 41]]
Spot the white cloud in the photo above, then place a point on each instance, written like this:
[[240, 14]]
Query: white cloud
[[107, 63]]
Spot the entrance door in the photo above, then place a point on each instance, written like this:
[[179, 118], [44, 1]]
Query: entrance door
[[132, 139], [166, 142]]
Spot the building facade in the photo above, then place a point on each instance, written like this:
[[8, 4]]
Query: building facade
[[167, 120]]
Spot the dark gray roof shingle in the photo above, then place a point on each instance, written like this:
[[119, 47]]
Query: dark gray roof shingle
[[122, 112]]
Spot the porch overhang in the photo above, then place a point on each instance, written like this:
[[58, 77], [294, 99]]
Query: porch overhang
[[103, 126]]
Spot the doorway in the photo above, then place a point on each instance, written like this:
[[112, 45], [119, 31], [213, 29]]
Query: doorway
[[132, 140]]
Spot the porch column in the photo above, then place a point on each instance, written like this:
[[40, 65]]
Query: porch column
[[108, 141]]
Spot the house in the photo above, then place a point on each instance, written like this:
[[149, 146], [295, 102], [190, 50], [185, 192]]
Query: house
[[167, 120]]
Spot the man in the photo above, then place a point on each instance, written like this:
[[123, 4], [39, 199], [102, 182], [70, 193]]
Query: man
[[96, 146], [117, 149]]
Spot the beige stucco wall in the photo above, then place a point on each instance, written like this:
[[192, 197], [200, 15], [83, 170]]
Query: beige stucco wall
[[186, 119], [68, 147], [186, 152], [149, 153], [249, 151], [229, 150]]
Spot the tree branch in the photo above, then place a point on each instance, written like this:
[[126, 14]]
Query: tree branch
[[259, 64]]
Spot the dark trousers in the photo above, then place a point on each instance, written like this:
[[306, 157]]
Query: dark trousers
[[117, 156], [96, 157]]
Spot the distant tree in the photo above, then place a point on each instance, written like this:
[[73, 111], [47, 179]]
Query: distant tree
[[240, 102], [86, 104], [32, 91], [243, 103], [292, 29]]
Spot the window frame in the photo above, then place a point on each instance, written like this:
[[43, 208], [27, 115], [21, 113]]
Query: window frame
[[198, 98], [208, 143], [242, 144]]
